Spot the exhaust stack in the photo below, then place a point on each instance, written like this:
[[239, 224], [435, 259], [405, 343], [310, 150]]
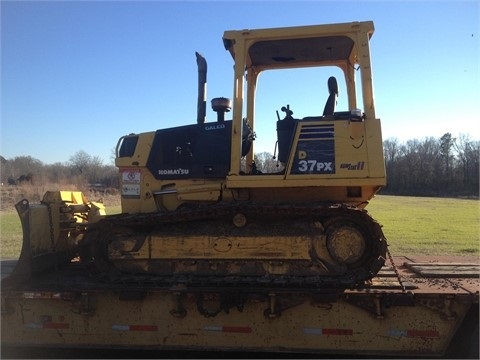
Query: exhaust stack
[[202, 89]]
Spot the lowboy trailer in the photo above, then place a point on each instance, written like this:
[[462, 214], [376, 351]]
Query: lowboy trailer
[[415, 307], [210, 253]]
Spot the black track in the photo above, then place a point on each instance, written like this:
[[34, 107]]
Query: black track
[[93, 248]]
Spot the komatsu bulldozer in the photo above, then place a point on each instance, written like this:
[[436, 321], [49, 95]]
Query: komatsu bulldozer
[[214, 252], [196, 210]]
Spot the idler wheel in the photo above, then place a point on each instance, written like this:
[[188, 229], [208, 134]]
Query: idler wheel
[[346, 242]]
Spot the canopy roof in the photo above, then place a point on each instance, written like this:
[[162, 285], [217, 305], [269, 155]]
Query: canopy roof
[[297, 46]]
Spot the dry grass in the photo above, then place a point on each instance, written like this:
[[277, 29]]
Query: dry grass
[[10, 195]]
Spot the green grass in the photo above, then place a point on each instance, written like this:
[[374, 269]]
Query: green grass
[[10, 235], [412, 225], [430, 226]]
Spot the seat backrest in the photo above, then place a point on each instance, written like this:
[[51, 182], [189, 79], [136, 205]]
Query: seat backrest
[[285, 131], [332, 98]]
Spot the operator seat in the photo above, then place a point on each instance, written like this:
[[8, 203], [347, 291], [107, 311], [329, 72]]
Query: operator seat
[[332, 98]]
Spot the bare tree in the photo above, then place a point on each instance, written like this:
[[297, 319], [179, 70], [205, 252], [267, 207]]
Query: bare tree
[[80, 161], [266, 163], [88, 168], [468, 153]]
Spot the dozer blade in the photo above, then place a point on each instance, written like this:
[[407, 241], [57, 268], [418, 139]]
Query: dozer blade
[[50, 232]]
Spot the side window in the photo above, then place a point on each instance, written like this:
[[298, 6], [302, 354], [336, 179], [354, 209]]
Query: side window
[[127, 148]]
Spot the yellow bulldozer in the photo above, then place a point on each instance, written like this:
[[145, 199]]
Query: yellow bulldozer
[[196, 209]]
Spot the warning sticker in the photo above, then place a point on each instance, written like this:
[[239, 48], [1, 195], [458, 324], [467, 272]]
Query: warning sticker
[[131, 176], [131, 189]]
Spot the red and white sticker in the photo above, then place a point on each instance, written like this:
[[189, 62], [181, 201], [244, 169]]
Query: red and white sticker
[[131, 176], [412, 333], [135, 327], [229, 329], [48, 325], [327, 331]]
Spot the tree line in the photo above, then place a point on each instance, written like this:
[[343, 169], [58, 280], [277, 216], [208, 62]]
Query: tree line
[[444, 166], [82, 170]]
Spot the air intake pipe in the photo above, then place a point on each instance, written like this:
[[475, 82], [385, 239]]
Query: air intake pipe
[[221, 105]]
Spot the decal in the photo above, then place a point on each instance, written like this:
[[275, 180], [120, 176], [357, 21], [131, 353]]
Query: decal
[[179, 171], [411, 333], [353, 166], [215, 127], [135, 327], [231, 329], [315, 150], [47, 325], [326, 331], [131, 176], [131, 189], [46, 322], [314, 166]]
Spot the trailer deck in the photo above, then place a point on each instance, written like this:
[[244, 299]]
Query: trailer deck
[[457, 275], [415, 308]]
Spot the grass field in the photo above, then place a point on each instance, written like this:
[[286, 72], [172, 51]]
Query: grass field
[[10, 235], [422, 225], [412, 225]]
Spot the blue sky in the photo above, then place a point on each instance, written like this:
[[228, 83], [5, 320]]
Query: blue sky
[[77, 75]]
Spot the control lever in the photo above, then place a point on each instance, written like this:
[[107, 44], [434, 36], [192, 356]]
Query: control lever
[[287, 110]]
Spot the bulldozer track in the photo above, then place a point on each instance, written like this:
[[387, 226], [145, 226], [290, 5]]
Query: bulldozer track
[[105, 271]]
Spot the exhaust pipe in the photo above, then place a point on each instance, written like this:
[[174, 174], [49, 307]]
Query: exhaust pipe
[[202, 89]]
